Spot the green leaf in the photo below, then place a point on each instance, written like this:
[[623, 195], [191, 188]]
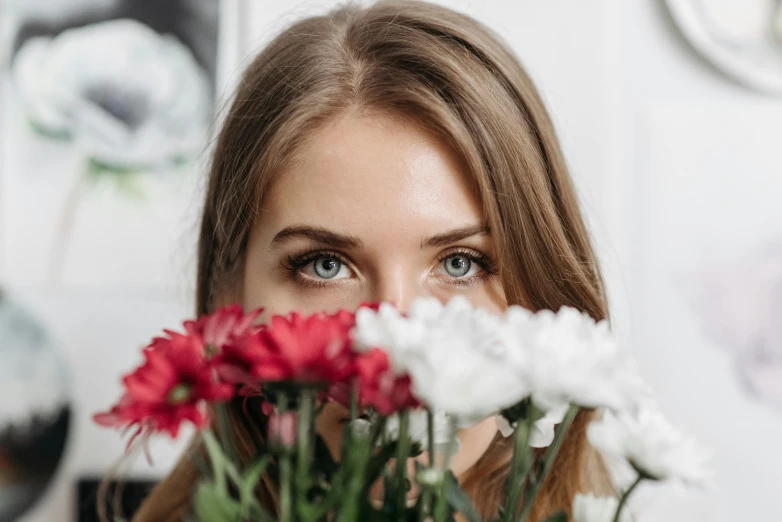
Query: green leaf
[[218, 460], [557, 517], [253, 475], [259, 514], [251, 478], [379, 460], [46, 132], [459, 500], [209, 503]]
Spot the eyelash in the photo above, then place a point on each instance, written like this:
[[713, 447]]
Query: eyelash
[[294, 263], [488, 266]]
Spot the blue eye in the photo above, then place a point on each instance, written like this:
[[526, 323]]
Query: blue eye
[[457, 265], [327, 267]]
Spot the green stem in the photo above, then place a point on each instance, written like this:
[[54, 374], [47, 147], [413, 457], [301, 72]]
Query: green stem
[[441, 502], [286, 475], [424, 505], [347, 431], [351, 480], [304, 444], [286, 496], [625, 496], [520, 467], [430, 435], [216, 460], [402, 451], [548, 461]]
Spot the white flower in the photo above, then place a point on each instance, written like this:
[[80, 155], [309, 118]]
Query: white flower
[[473, 364], [542, 434], [654, 447], [130, 97], [456, 355], [389, 329], [567, 358], [418, 430], [361, 428], [589, 508]]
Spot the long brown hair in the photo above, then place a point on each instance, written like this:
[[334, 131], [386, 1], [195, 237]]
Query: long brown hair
[[456, 77]]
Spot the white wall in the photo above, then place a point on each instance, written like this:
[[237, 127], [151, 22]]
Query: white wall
[[677, 166], [702, 184]]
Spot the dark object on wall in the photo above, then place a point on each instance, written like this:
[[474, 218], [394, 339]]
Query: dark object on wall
[[132, 493], [35, 413]]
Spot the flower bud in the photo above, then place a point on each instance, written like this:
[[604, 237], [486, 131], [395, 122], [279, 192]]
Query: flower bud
[[361, 428], [429, 477], [282, 429]]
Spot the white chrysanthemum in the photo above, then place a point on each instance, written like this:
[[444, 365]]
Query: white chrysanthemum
[[589, 508], [653, 446], [473, 363], [387, 328], [418, 428], [130, 97], [456, 355], [542, 434], [567, 358]]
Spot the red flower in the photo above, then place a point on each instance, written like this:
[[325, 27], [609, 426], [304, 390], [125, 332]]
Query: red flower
[[314, 349], [172, 386], [224, 334], [223, 326], [372, 305], [380, 387]]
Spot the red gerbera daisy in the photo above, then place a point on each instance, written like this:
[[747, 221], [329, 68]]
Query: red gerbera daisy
[[223, 326], [224, 334], [314, 349], [172, 386]]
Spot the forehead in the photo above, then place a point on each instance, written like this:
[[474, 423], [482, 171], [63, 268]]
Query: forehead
[[365, 173]]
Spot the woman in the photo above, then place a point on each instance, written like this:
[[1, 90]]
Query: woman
[[382, 153]]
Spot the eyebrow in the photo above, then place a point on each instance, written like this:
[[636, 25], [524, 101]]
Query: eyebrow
[[453, 236], [344, 241], [317, 234]]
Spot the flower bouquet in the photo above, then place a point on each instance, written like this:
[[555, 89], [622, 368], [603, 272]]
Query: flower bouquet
[[410, 381]]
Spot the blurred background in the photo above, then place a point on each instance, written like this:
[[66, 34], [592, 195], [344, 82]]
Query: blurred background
[[670, 115]]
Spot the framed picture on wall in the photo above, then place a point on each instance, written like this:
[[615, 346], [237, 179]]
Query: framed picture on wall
[[107, 111]]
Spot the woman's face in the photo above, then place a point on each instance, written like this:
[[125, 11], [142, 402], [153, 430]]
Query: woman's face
[[373, 209]]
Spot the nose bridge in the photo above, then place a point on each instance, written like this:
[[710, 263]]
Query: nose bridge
[[398, 284]]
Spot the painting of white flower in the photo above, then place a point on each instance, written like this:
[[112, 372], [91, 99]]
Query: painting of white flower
[[107, 109]]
